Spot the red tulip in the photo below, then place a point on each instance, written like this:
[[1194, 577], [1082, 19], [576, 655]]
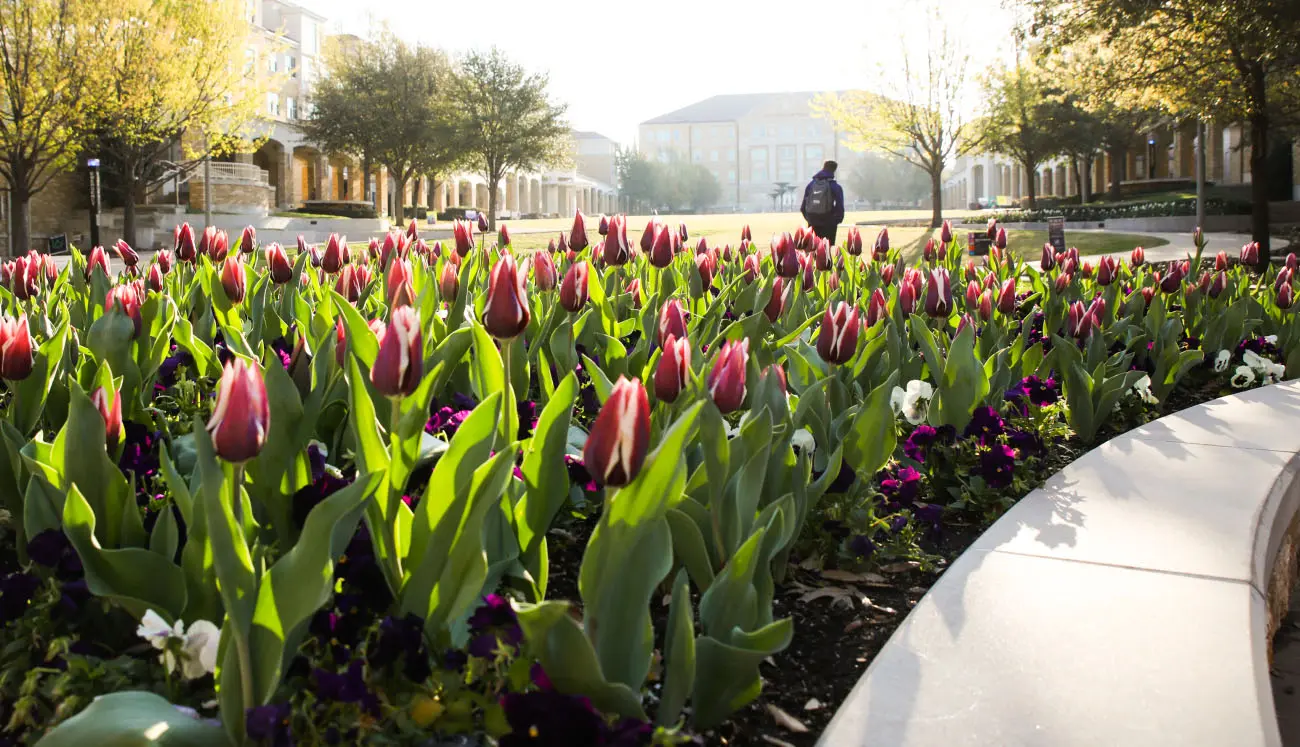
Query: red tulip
[[617, 444], [776, 302], [1218, 285], [242, 415], [340, 343], [881, 247], [786, 257], [16, 348], [661, 247], [463, 232], [373, 252], [24, 278], [673, 370], [448, 283], [704, 266], [672, 320], [681, 233], [702, 247], [278, 265], [401, 288], [1283, 278], [746, 234], [1172, 280], [412, 230], [909, 291], [214, 243], [985, 308], [574, 288], [887, 274], [751, 268], [400, 362], [1000, 240], [248, 240], [125, 253], [779, 373], [615, 249], [1285, 296], [992, 228], [386, 250], [125, 299], [482, 222], [1107, 270], [1007, 297], [1292, 262], [930, 253], [1250, 254], [184, 245], [1063, 281], [837, 339], [155, 278], [164, 260], [578, 234], [98, 259], [634, 289], [505, 313], [1203, 285], [938, 294], [544, 272], [348, 285], [602, 228], [877, 308], [853, 244], [945, 233], [822, 255], [503, 235], [726, 381], [332, 261], [1138, 257], [563, 245], [1221, 261], [648, 237], [110, 409], [1048, 260], [807, 264], [1148, 293], [973, 289]]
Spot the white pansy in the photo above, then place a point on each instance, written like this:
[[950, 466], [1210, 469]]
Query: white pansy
[[1270, 339], [197, 645], [1243, 378], [442, 313], [803, 441], [1265, 369], [1221, 361], [156, 631], [1142, 389], [912, 402]]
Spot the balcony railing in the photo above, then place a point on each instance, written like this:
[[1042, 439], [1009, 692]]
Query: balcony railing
[[234, 173]]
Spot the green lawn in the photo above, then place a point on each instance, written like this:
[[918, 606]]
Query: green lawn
[[1030, 243]]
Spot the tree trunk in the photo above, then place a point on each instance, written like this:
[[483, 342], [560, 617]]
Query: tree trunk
[[1259, 218], [20, 223], [1085, 179], [128, 203], [1031, 189], [936, 199], [1118, 165], [400, 208], [365, 183], [493, 184]]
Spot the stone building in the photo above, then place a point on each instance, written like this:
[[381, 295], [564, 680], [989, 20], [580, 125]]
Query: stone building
[[751, 143]]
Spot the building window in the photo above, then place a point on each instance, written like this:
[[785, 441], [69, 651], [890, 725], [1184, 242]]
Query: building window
[[758, 131], [697, 156], [273, 63], [758, 164], [291, 107], [787, 131], [713, 155], [250, 61], [812, 158], [273, 104], [731, 175], [812, 130], [662, 136], [310, 43], [290, 63], [731, 156], [785, 163], [677, 135]]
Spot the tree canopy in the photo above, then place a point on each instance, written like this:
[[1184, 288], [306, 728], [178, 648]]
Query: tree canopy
[[672, 186], [1022, 118]]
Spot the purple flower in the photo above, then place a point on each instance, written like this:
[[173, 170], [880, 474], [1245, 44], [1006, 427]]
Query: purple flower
[[1025, 442], [399, 638], [347, 687], [997, 465], [835, 528], [929, 513], [167, 372], [862, 546], [629, 732], [897, 524], [316, 457], [901, 489], [269, 724], [539, 678], [454, 659], [16, 592], [139, 451], [549, 718], [578, 474], [527, 418], [985, 425], [284, 349], [496, 627]]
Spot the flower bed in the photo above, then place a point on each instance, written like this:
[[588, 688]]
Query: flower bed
[[595, 495], [1114, 211]]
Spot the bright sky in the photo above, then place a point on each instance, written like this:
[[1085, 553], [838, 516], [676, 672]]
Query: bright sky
[[619, 63]]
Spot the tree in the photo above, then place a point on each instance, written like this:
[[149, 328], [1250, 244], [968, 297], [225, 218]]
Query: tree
[[919, 119], [387, 102], [48, 59], [174, 70], [1020, 120], [877, 178], [637, 180], [675, 185], [505, 120], [1203, 59]]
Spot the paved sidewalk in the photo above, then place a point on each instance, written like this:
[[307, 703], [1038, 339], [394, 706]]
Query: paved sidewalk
[[1180, 246]]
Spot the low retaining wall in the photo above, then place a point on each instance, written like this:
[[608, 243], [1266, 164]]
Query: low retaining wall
[[1126, 602]]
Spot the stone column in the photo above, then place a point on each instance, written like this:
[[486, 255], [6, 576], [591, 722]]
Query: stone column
[[1214, 152], [1071, 180], [285, 195], [1185, 149], [381, 190], [1064, 185], [323, 173], [1163, 140], [512, 193]]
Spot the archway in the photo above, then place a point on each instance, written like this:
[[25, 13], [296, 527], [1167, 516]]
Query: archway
[[271, 158]]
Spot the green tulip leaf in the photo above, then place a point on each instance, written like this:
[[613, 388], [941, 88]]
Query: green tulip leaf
[[679, 654], [134, 719]]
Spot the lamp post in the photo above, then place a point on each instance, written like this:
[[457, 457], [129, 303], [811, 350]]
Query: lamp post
[[92, 165]]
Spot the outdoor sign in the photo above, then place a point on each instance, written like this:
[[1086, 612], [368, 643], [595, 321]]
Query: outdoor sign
[[1056, 233], [978, 243], [58, 244], [471, 215]]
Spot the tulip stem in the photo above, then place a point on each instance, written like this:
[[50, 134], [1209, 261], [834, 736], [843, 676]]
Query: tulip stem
[[394, 524], [508, 395]]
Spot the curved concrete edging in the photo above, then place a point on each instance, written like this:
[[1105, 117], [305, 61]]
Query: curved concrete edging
[[1123, 603]]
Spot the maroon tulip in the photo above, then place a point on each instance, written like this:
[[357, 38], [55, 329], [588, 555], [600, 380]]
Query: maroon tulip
[[776, 303], [125, 299], [401, 288], [110, 409], [602, 227], [1203, 285], [340, 343], [985, 307], [215, 243], [973, 289], [930, 253], [242, 415], [877, 308], [563, 245], [746, 234], [1048, 260], [1292, 262], [881, 247], [1107, 270], [164, 260], [705, 267], [887, 274], [822, 255], [648, 237], [1007, 298], [1172, 280], [1218, 285], [184, 245], [248, 240], [482, 222], [387, 250], [400, 362], [751, 268], [97, 258], [837, 339], [992, 229], [574, 288], [1063, 281], [1138, 257], [945, 233], [463, 232], [578, 234], [302, 244], [332, 261], [807, 264], [348, 285], [1283, 278], [778, 372], [448, 283], [278, 265], [505, 313], [16, 348], [412, 230], [853, 243], [125, 253], [503, 235], [1250, 254], [785, 256], [726, 381], [938, 294], [672, 320], [615, 250], [634, 289], [544, 272], [1077, 323], [1221, 261], [702, 247], [1285, 296], [155, 278], [1000, 241], [617, 444], [24, 278], [373, 252], [661, 247], [1148, 293], [682, 234], [909, 291], [673, 370], [233, 280]]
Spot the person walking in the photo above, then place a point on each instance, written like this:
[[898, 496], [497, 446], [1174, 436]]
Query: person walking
[[823, 202]]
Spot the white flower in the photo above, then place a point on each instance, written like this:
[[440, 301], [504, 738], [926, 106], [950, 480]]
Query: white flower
[[442, 313], [1267, 370], [912, 402], [803, 441], [1243, 378], [1270, 339], [1142, 388], [1221, 361], [197, 646]]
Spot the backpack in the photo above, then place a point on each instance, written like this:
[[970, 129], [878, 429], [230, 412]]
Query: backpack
[[821, 199]]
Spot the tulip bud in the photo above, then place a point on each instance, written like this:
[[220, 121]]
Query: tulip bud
[[399, 365], [929, 254], [1148, 293], [97, 258], [1172, 280], [348, 285], [672, 320], [822, 255], [1007, 298], [682, 234], [578, 234], [1285, 296], [544, 272], [877, 308], [673, 370], [1048, 260], [704, 266], [853, 245], [726, 381], [634, 289], [218, 245], [909, 290], [837, 339], [938, 294], [332, 261], [1138, 257], [776, 371], [184, 245], [1292, 262], [617, 443], [248, 240], [806, 265], [340, 343], [648, 237], [17, 354], [125, 253], [505, 313], [1221, 261], [401, 288], [1283, 278], [615, 250], [1250, 254], [881, 248], [503, 235], [574, 288], [751, 268], [1000, 241], [233, 280], [775, 303], [992, 229], [972, 294], [945, 233], [963, 322], [125, 299], [110, 409], [387, 250], [1218, 285], [463, 233], [1107, 270], [1063, 281], [374, 252], [887, 274], [155, 278], [277, 263], [242, 414], [746, 234], [1203, 285]]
